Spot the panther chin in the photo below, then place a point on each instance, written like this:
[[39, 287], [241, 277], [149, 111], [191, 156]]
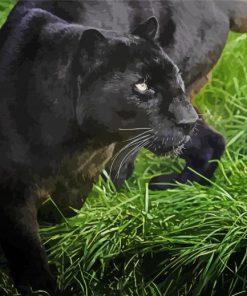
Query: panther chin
[[169, 145]]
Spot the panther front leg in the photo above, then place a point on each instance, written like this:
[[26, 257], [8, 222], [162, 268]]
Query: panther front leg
[[21, 244], [205, 145]]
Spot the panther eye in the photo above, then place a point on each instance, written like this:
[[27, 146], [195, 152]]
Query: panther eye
[[141, 87]]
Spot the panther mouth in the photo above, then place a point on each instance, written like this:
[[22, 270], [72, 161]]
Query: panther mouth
[[169, 145], [178, 150], [185, 140]]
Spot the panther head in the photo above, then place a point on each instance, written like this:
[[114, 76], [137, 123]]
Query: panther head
[[131, 88]]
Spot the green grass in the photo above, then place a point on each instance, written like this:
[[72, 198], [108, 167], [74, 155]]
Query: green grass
[[187, 241], [5, 6]]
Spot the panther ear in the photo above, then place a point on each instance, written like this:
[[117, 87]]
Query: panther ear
[[148, 29], [92, 42]]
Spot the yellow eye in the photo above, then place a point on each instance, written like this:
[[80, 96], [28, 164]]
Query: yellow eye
[[141, 87]]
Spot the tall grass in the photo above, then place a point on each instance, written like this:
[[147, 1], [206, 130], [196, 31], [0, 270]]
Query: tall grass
[[190, 240]]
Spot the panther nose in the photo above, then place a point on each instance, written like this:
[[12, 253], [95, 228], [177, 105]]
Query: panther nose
[[184, 114], [187, 124]]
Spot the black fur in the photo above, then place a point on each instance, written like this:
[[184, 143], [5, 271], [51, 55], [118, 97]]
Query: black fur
[[193, 33], [68, 93]]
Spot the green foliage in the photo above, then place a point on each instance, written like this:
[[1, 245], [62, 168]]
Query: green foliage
[[187, 241], [5, 6]]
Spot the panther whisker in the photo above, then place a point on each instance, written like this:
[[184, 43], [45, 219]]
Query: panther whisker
[[137, 139], [133, 150], [178, 150], [144, 145], [138, 135], [134, 142], [138, 146], [151, 143], [133, 129], [121, 163]]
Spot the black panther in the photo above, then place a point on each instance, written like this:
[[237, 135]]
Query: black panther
[[68, 94], [193, 34]]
